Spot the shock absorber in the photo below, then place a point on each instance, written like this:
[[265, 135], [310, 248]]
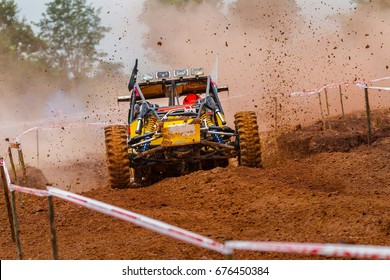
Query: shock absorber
[[218, 138], [206, 119], [209, 123], [150, 127]]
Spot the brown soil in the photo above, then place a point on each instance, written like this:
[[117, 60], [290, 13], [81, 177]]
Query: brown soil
[[318, 186]]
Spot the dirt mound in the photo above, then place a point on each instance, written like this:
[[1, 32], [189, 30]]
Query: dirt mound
[[332, 197], [341, 134]]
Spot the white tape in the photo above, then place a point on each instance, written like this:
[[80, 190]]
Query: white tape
[[305, 92], [140, 220], [334, 85], [13, 187], [380, 88], [364, 85], [332, 250], [27, 131], [32, 191], [380, 79], [63, 126], [360, 84]]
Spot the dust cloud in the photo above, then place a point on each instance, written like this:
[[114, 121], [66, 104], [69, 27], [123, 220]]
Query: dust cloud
[[270, 48], [68, 115], [266, 49]]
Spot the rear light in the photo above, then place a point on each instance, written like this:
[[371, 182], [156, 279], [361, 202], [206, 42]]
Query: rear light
[[128, 129]]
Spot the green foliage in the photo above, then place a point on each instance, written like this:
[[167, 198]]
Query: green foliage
[[17, 39], [73, 30], [8, 12]]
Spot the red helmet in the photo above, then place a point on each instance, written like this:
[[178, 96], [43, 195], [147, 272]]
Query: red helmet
[[191, 98]]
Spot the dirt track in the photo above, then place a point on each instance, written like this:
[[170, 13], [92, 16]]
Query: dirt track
[[332, 196]]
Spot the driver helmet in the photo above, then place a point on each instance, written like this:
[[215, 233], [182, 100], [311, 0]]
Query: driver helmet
[[191, 99]]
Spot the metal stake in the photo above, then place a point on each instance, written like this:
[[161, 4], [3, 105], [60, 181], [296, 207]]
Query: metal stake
[[11, 159], [6, 196], [37, 134], [327, 107], [276, 112], [322, 113], [341, 101], [21, 160], [16, 225], [368, 112], [52, 228]]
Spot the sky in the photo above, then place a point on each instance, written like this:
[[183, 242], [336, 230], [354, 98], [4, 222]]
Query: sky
[[123, 45]]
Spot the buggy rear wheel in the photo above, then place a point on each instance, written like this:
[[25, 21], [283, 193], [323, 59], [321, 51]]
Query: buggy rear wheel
[[117, 158], [248, 139]]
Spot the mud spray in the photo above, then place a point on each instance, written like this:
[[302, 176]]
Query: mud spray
[[269, 48], [67, 154], [266, 49]]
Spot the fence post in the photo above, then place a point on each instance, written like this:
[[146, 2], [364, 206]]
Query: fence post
[[16, 225], [53, 235], [6, 196], [276, 112], [322, 113], [11, 159], [341, 101], [21, 160], [368, 113], [327, 107], [37, 134]]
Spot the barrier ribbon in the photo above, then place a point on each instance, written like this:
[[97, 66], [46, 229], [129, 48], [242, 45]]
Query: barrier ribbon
[[32, 191], [360, 84], [140, 220], [332, 250]]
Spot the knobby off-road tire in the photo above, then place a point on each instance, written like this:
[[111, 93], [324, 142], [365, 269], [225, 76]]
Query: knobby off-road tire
[[117, 158], [248, 139]]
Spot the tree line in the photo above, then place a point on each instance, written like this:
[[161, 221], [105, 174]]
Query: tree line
[[66, 44]]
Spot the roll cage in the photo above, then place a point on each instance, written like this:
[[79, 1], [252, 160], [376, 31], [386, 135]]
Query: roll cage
[[173, 89]]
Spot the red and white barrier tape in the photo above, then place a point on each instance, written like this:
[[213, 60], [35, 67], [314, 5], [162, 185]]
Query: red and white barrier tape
[[140, 220], [380, 79], [331, 250], [32, 191], [364, 85], [62, 126], [305, 92], [360, 84], [13, 187], [380, 88]]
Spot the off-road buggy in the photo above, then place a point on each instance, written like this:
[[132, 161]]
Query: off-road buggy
[[176, 125]]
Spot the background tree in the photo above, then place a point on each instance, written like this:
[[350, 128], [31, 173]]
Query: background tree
[[17, 40], [73, 30]]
